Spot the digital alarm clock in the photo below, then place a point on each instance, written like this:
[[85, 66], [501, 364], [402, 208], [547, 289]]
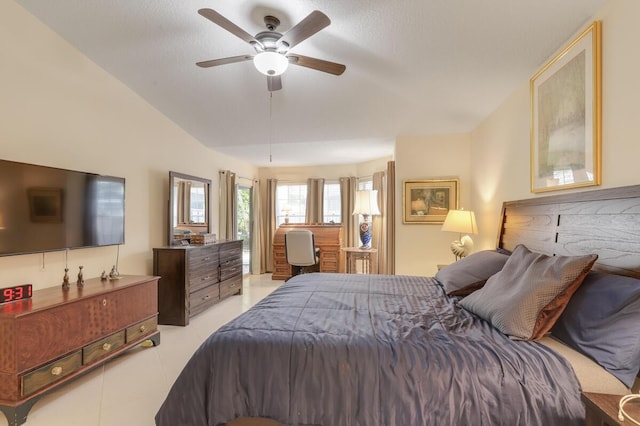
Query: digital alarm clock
[[15, 293]]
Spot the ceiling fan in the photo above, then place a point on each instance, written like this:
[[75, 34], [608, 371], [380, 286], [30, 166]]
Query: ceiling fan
[[272, 48]]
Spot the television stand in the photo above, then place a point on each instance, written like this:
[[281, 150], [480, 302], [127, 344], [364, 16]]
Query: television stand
[[58, 335]]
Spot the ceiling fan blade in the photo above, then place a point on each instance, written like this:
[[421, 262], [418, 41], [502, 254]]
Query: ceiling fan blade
[[274, 83], [304, 29], [220, 20], [317, 64], [223, 61]]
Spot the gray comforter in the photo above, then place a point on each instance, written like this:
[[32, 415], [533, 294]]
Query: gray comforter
[[334, 349]]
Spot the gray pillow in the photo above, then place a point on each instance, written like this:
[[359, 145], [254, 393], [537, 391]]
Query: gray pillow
[[601, 321], [470, 273], [528, 295]]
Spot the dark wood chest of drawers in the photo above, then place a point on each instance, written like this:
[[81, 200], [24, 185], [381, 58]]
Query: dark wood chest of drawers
[[195, 277], [57, 335]]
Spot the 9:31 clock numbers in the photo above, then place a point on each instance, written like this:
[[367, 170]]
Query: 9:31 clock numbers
[[15, 293]]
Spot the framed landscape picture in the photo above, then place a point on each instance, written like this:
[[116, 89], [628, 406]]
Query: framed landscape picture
[[428, 201], [566, 116]]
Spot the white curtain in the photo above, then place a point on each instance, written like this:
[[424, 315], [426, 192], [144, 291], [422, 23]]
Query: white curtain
[[228, 215]]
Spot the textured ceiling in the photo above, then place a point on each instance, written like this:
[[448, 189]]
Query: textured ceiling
[[414, 67]]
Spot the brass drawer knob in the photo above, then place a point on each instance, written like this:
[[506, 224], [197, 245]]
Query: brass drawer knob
[[106, 346], [142, 329], [104, 302], [56, 371]]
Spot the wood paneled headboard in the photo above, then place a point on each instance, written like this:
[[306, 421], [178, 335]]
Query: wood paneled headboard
[[605, 221]]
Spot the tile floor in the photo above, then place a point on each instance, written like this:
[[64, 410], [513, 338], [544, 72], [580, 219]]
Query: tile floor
[[128, 390]]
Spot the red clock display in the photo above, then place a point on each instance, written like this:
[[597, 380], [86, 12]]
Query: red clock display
[[13, 294]]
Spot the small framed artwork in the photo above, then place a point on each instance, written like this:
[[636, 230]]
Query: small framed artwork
[[45, 205], [566, 116], [428, 201]]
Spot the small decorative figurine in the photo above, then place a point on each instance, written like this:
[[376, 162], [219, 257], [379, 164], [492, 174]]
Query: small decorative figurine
[[80, 278], [65, 280], [104, 276], [114, 274]]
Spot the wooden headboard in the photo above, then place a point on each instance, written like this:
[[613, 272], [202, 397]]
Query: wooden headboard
[[605, 221]]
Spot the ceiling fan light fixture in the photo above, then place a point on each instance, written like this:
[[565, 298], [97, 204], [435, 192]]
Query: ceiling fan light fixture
[[270, 63]]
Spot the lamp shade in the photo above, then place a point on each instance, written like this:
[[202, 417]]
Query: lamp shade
[[366, 203], [461, 221], [270, 63]]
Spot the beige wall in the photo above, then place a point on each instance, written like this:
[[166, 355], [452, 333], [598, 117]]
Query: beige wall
[[419, 248], [500, 145], [59, 109], [301, 174]]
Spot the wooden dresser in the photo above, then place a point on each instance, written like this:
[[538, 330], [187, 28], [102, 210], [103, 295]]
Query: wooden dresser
[[327, 237], [195, 277], [57, 335]]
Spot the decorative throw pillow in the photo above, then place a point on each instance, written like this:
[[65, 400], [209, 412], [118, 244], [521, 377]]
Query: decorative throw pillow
[[601, 321], [528, 295], [470, 273]]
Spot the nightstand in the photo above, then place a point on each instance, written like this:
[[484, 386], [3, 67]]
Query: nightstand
[[367, 256], [602, 409]]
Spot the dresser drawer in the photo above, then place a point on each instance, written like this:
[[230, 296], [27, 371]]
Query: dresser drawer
[[202, 258], [50, 373], [141, 329], [205, 279], [230, 250], [202, 299], [230, 286], [102, 347], [230, 268]]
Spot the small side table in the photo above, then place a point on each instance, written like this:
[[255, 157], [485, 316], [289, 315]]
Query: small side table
[[367, 256], [602, 409]]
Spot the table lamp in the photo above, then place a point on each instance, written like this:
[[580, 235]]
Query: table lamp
[[366, 205], [286, 209], [463, 222]]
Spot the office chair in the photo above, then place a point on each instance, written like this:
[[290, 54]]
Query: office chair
[[301, 251]]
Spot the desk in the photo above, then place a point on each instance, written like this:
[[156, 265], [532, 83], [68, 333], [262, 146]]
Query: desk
[[367, 256], [328, 238]]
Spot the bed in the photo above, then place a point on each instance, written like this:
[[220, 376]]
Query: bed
[[337, 349]]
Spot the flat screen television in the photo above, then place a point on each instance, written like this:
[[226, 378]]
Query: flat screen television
[[47, 209]]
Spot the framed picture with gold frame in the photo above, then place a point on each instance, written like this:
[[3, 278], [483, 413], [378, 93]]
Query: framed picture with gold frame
[[566, 116], [428, 201]]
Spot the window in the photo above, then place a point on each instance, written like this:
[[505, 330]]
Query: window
[[365, 184], [197, 204], [331, 203], [291, 203]]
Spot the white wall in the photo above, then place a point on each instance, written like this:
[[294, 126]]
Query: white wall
[[59, 109], [500, 145], [420, 248]]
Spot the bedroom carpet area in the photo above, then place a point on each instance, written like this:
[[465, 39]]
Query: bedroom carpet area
[[129, 390]]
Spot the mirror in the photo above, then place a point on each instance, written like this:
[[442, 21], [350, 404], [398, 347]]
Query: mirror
[[188, 207]]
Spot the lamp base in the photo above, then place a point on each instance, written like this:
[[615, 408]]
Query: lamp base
[[365, 235], [462, 248]]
